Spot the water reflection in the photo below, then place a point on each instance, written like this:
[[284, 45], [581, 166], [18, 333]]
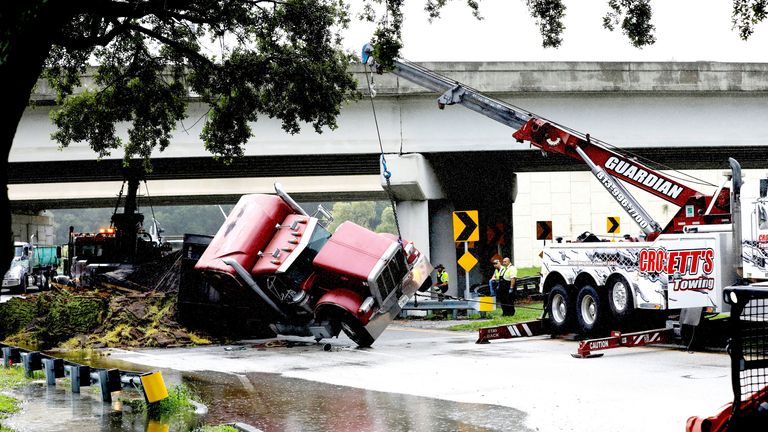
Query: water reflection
[[276, 403], [55, 409], [269, 402]]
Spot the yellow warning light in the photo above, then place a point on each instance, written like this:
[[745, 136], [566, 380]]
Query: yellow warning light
[[154, 387]]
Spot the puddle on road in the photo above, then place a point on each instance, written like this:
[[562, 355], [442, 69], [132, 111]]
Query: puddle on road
[[275, 403], [267, 401], [56, 409]]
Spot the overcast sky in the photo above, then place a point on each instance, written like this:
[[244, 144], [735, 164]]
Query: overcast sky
[[686, 30]]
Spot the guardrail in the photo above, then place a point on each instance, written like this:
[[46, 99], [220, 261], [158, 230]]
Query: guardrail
[[109, 380]]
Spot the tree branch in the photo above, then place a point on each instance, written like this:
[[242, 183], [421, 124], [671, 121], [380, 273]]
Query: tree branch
[[190, 53], [103, 40]]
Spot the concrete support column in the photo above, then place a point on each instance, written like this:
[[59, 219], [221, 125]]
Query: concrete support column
[[413, 217], [443, 249]]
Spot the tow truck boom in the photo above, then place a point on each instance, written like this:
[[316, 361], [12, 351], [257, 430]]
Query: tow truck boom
[[606, 165]]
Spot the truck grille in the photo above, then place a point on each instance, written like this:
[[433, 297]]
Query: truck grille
[[391, 276]]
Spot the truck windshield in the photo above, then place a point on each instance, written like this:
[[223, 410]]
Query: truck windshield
[[18, 251]]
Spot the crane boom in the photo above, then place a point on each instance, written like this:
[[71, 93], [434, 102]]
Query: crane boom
[[606, 165]]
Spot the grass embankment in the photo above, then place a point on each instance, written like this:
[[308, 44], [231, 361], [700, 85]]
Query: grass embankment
[[523, 312], [528, 271]]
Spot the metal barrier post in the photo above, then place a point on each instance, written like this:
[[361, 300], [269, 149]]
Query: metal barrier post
[[78, 376], [54, 368], [10, 356], [109, 381], [31, 362]]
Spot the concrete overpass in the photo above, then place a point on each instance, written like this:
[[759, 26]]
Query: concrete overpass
[[684, 115]]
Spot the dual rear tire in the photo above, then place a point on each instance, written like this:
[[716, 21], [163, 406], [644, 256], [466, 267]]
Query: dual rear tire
[[590, 308]]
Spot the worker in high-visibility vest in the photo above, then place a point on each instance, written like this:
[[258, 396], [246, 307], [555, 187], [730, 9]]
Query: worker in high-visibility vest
[[493, 284], [441, 284], [505, 295]]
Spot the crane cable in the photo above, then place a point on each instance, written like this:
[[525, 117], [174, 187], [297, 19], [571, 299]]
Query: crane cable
[[385, 171]]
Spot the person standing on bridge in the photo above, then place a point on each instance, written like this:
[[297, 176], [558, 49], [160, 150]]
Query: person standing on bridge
[[505, 294]]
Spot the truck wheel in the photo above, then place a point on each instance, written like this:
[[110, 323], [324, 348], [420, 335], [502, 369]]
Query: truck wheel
[[620, 299], [356, 331], [559, 310], [590, 310]]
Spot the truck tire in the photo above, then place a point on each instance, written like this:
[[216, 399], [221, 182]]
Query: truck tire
[[559, 310], [356, 331], [620, 299], [590, 310]]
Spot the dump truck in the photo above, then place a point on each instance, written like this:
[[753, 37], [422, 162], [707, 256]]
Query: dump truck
[[32, 265], [312, 282]]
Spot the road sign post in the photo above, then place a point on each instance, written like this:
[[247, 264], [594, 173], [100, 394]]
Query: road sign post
[[465, 230]]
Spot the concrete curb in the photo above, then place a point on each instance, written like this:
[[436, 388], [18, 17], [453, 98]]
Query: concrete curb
[[243, 427]]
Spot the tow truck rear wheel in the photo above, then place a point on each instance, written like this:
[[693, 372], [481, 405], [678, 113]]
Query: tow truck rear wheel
[[559, 310], [620, 299], [590, 310]]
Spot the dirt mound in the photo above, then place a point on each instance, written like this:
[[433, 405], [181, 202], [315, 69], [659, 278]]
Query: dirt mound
[[130, 307], [141, 320]]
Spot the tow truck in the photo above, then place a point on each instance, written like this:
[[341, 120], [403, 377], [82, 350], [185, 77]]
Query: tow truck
[[124, 244], [311, 282], [589, 284]]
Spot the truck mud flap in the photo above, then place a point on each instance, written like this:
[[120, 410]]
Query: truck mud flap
[[523, 329]]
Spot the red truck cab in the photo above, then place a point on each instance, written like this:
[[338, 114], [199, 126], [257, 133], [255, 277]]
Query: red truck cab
[[312, 282]]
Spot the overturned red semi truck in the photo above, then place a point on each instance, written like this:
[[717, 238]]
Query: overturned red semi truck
[[312, 282]]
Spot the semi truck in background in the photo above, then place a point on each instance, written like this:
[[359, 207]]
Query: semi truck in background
[[32, 265], [312, 282], [678, 270]]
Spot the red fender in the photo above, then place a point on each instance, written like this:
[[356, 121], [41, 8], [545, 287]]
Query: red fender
[[715, 423], [345, 299]]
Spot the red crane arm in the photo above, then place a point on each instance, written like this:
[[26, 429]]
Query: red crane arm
[[552, 139]]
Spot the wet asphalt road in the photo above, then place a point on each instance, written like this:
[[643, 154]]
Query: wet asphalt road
[[544, 388]]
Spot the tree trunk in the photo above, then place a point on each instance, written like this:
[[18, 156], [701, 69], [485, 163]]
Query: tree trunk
[[27, 31]]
